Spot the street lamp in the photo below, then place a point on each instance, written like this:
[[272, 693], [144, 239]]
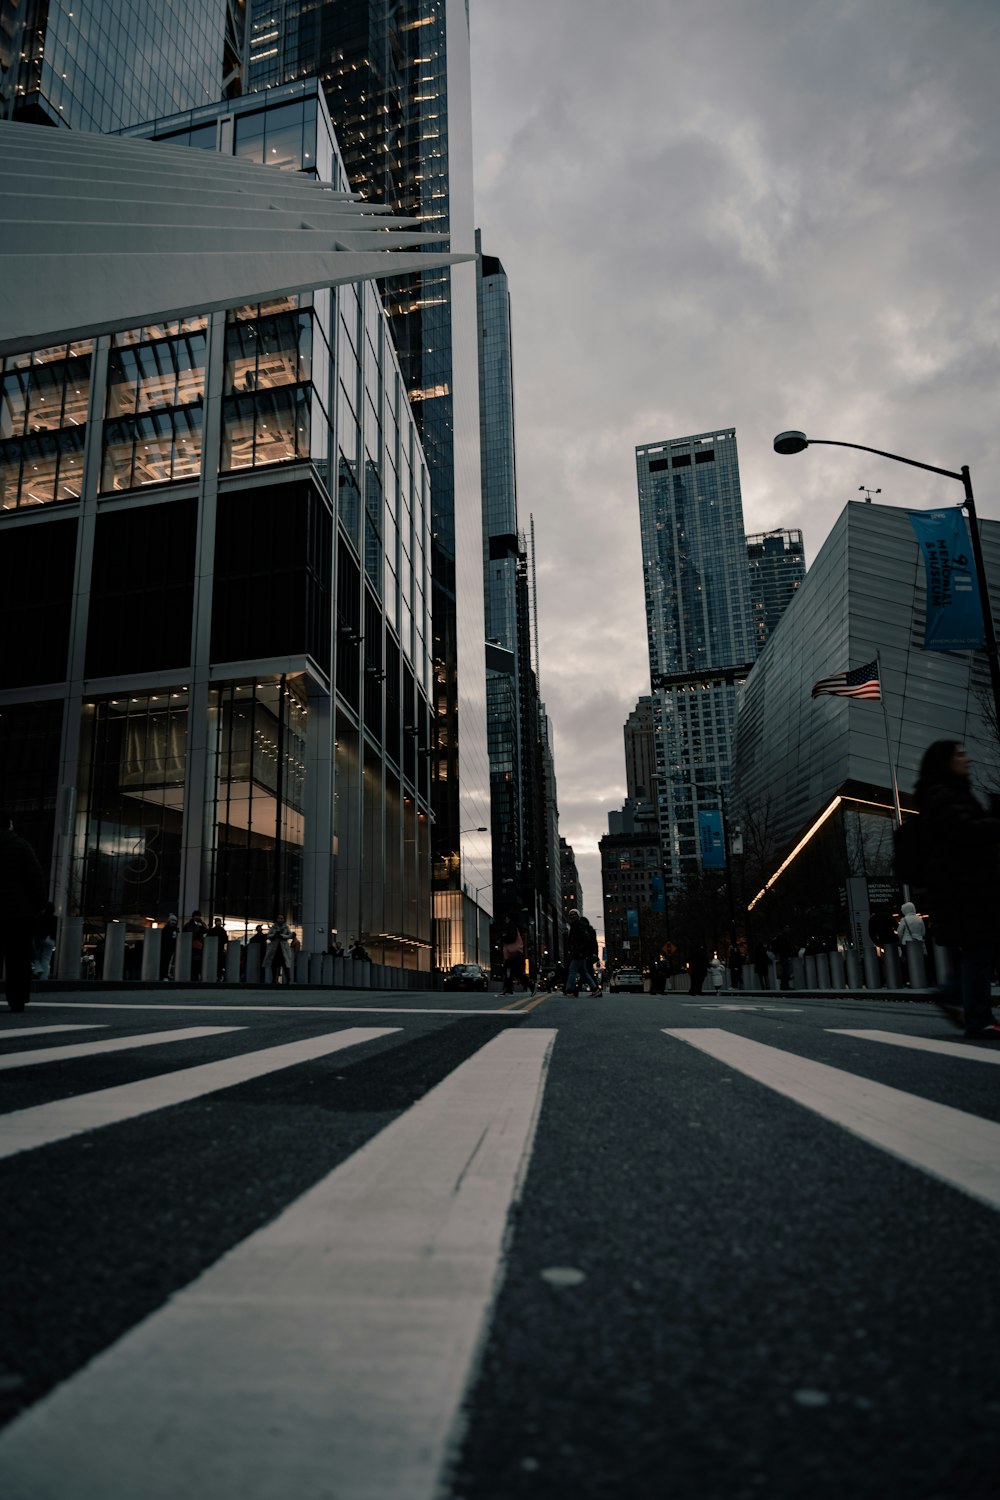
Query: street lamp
[[795, 442]]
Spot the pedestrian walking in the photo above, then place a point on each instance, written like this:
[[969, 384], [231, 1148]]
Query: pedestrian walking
[[22, 896], [581, 945], [512, 951], [960, 841]]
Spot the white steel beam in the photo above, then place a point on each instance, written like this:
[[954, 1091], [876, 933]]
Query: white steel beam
[[104, 232]]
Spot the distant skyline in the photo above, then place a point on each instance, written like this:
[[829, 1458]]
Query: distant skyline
[[743, 213]]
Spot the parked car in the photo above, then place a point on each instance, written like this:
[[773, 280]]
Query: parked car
[[627, 979], [466, 977]]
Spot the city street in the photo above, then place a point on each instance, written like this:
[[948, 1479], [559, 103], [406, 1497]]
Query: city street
[[337, 1245]]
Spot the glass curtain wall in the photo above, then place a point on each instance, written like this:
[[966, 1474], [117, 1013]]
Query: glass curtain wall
[[256, 822]]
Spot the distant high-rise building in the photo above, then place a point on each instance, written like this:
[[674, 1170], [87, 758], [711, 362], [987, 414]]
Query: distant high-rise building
[[777, 562], [396, 78], [640, 752], [572, 896], [103, 65], [632, 884], [523, 879], [700, 627]]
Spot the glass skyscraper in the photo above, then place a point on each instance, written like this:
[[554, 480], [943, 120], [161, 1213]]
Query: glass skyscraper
[[396, 77], [523, 878], [103, 65], [700, 630], [777, 562], [216, 539]]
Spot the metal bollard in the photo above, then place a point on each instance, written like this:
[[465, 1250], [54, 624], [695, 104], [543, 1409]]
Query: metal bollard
[[210, 960], [853, 969], [70, 948], [915, 967], [255, 963], [836, 962], [152, 946], [822, 971], [234, 956], [810, 970], [873, 974], [893, 972], [182, 958], [114, 952]]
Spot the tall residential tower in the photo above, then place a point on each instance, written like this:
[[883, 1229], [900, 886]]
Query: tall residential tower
[[700, 629]]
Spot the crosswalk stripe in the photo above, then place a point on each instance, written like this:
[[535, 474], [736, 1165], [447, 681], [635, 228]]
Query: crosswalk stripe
[[330, 1351], [43, 1124], [74, 1050], [923, 1044], [45, 1030], [958, 1148]]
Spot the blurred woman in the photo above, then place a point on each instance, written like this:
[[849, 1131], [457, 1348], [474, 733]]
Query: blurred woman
[[960, 842]]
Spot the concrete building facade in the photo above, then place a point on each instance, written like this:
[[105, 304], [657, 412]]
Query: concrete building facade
[[812, 777]]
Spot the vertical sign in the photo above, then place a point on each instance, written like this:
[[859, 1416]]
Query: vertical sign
[[954, 613], [713, 848]]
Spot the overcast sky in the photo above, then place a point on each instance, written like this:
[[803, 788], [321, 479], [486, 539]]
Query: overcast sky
[[751, 213]]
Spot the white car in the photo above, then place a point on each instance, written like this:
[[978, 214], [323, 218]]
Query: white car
[[627, 979]]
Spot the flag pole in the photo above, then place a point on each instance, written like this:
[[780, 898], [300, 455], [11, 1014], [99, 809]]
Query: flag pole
[[888, 742]]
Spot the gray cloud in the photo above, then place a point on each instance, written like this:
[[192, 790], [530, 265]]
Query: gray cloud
[[729, 212]]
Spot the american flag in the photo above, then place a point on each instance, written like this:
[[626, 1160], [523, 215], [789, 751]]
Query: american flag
[[861, 683]]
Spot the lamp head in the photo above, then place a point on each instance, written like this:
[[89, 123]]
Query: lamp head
[[790, 442]]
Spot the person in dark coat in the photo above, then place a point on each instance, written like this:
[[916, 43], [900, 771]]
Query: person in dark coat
[[23, 890], [168, 942], [960, 841], [698, 967], [581, 947], [513, 953], [762, 966]]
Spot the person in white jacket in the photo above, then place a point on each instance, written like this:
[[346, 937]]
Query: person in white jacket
[[911, 927]]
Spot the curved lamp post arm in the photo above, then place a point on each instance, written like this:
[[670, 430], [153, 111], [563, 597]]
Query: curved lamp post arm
[[896, 457]]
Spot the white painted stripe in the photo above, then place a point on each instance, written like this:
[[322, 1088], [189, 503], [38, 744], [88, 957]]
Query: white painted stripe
[[276, 1009], [45, 1030], [329, 1353], [109, 1044], [44, 1123], [964, 1050], [959, 1148]]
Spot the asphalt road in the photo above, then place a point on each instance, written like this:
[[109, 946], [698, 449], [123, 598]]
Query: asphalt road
[[381, 1247]]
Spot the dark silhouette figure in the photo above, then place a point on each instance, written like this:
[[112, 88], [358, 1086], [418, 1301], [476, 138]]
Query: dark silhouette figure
[[22, 896]]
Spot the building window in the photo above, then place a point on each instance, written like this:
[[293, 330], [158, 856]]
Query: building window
[[156, 387], [43, 415]]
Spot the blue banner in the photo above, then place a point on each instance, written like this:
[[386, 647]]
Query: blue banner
[[713, 847], [657, 895], [632, 921], [954, 614]]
